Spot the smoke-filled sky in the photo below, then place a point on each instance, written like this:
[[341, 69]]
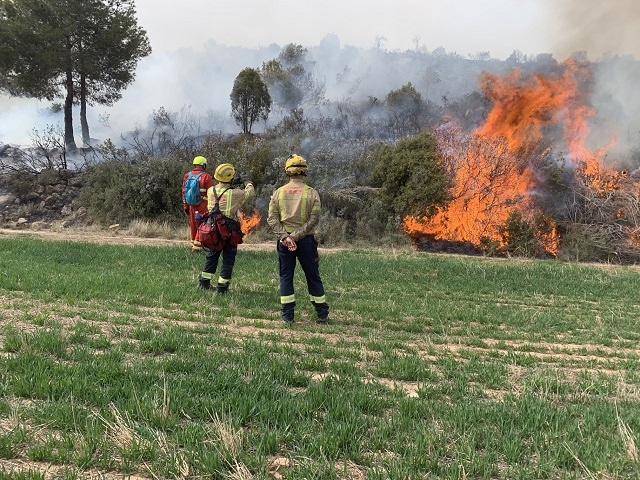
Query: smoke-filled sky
[[200, 45], [467, 27]]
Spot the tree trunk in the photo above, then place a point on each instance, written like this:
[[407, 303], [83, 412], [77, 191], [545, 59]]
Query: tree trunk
[[245, 116], [70, 142], [86, 140]]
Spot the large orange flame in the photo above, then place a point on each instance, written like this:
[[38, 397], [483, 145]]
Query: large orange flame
[[487, 183], [491, 168]]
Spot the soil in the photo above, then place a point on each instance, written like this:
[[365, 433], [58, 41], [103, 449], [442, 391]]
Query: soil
[[112, 237], [122, 237]]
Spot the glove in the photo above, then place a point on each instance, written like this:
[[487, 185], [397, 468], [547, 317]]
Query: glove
[[245, 178], [185, 208], [198, 216]]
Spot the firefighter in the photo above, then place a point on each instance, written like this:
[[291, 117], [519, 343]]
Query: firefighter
[[294, 212], [230, 200], [205, 181]]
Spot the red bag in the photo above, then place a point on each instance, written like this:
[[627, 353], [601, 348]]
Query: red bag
[[218, 229], [209, 234], [235, 232], [236, 238], [223, 228]]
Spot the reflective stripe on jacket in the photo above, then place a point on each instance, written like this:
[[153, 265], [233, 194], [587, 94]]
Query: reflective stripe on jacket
[[230, 201], [294, 209]]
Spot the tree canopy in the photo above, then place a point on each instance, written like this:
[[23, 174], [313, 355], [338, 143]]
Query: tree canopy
[[290, 79], [85, 52], [250, 99], [406, 109]]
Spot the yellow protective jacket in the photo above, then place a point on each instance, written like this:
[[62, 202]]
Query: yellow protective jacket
[[231, 200], [294, 209]]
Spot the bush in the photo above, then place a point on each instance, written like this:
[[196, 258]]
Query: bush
[[118, 191], [519, 237], [19, 183], [411, 176], [331, 231], [596, 243], [535, 237]]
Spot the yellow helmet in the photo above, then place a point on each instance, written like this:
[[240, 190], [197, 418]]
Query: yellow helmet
[[224, 173], [296, 165], [199, 160]]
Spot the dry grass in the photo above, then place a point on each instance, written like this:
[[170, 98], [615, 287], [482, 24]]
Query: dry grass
[[627, 438], [151, 229]]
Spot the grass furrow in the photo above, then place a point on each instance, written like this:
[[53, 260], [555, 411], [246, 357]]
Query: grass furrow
[[114, 364]]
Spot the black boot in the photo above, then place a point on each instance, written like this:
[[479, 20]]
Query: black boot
[[204, 283], [222, 288], [287, 311], [322, 311]]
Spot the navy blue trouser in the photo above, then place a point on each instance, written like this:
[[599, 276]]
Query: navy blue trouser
[[307, 255], [211, 264]]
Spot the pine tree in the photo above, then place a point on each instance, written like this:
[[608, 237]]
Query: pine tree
[[83, 51]]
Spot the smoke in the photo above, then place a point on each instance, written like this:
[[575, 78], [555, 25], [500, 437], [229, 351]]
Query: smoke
[[19, 117], [201, 81], [616, 100], [607, 34], [594, 26]]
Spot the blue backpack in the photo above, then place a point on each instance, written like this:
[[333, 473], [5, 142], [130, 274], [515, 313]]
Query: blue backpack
[[192, 189]]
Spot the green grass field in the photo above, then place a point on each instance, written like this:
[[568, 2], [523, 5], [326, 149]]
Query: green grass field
[[114, 365]]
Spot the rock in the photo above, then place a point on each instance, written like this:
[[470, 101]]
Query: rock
[[52, 199], [60, 188], [40, 226], [6, 198]]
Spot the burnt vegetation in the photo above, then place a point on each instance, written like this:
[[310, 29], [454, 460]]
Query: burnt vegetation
[[415, 162]]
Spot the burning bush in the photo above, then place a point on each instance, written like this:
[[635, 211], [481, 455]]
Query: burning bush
[[511, 194]]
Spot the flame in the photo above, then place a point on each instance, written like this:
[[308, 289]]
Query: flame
[[548, 235], [487, 183], [492, 169], [248, 223]]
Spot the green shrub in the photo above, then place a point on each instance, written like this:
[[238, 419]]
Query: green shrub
[[118, 191], [411, 176], [519, 237], [249, 155], [19, 183]]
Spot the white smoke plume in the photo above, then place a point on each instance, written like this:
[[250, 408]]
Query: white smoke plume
[[593, 26], [607, 34]]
